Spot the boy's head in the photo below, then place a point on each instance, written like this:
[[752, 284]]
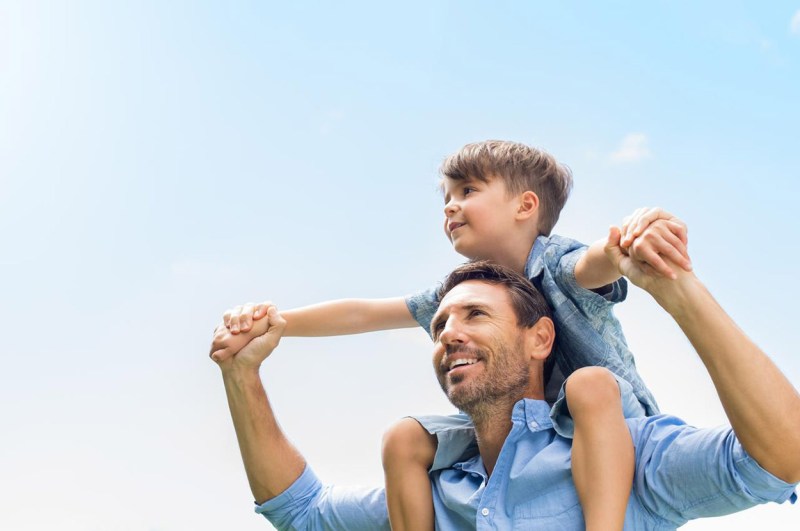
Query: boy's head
[[520, 168]]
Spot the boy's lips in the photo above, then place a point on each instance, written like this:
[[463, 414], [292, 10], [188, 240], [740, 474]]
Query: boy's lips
[[453, 225]]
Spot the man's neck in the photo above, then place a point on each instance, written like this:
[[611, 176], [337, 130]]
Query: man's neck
[[492, 426]]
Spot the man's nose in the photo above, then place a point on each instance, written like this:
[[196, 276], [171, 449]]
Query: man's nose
[[453, 332]]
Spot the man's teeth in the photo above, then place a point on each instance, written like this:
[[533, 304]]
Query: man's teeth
[[461, 361]]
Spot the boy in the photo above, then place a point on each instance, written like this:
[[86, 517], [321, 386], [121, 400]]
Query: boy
[[501, 201]]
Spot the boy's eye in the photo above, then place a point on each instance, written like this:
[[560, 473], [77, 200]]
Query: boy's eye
[[468, 190]]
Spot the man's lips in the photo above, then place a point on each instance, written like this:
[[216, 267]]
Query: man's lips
[[459, 361]]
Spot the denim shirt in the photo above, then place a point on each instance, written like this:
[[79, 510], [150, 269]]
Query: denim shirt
[[681, 473], [587, 333]]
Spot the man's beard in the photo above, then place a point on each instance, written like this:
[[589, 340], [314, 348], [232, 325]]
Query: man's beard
[[505, 381]]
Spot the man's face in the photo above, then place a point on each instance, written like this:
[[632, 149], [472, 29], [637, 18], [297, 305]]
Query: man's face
[[478, 354], [478, 215]]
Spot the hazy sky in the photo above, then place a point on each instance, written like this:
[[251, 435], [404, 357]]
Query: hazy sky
[[162, 161]]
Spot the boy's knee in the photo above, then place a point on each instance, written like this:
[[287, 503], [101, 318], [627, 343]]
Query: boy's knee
[[592, 387], [405, 441]]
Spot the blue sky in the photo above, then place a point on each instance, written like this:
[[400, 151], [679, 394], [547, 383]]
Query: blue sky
[[160, 162]]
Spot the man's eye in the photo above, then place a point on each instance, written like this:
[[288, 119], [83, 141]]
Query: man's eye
[[476, 313], [437, 329]]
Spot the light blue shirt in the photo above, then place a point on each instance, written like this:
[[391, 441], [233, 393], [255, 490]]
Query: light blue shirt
[[681, 473]]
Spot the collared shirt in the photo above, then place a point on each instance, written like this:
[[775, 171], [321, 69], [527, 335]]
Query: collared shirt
[[681, 473], [587, 332]]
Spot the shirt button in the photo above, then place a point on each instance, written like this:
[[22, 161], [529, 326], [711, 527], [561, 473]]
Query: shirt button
[[533, 425], [485, 511]]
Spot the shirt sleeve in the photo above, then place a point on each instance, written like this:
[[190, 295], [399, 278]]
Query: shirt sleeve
[[684, 472], [310, 506], [565, 278], [423, 305]]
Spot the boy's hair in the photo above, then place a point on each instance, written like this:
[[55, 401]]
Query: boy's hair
[[521, 167]]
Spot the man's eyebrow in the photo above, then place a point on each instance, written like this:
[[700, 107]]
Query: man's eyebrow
[[437, 319]]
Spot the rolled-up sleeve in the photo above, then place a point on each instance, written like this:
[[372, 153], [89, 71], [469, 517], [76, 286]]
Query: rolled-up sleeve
[[587, 300], [684, 472], [309, 505], [423, 305]]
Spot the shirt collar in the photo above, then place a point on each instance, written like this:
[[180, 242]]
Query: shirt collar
[[535, 263]]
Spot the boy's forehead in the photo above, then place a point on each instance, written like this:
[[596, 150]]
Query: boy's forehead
[[448, 183]]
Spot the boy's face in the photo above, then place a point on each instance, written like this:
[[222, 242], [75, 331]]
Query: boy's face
[[479, 216]]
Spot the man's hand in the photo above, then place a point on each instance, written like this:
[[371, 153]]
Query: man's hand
[[240, 319], [640, 273], [227, 349], [653, 236]]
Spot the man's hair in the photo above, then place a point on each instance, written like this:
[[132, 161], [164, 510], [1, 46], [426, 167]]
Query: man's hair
[[521, 168], [529, 305]]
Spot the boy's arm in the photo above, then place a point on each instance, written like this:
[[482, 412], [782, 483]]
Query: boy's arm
[[332, 318], [663, 236], [348, 316]]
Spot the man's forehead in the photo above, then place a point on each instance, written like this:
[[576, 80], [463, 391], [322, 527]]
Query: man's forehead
[[472, 292]]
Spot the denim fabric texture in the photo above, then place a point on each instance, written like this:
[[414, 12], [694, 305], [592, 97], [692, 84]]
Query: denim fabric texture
[[587, 332], [681, 473]]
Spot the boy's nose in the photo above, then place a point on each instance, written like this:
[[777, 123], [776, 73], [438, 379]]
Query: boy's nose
[[450, 208]]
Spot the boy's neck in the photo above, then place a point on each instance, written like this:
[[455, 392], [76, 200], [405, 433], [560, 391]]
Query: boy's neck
[[514, 255]]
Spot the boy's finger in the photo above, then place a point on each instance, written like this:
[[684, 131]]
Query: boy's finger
[[629, 224], [235, 313], [647, 217], [226, 319], [246, 317]]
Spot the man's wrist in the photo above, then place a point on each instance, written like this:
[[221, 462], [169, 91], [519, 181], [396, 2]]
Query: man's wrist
[[679, 297], [237, 372]]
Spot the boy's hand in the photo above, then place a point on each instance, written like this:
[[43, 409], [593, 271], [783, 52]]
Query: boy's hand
[[635, 224], [249, 349], [240, 318], [226, 342], [662, 241]]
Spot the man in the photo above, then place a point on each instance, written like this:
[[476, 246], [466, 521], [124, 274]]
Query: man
[[492, 337]]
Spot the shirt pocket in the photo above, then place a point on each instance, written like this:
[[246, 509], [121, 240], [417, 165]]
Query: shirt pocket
[[556, 511]]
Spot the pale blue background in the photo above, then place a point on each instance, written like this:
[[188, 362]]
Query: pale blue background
[[161, 161]]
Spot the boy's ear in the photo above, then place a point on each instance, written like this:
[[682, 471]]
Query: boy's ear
[[528, 205]]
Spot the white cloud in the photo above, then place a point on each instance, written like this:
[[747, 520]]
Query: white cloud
[[632, 148], [794, 25]]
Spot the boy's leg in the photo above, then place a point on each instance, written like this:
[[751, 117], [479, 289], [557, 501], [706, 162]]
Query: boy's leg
[[408, 451], [602, 449]]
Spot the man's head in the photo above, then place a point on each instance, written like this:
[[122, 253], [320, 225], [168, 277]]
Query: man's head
[[492, 335], [495, 188]]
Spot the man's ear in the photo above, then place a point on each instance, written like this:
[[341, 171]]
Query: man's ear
[[528, 205], [539, 339]]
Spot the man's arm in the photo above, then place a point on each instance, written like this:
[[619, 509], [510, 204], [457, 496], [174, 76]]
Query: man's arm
[[762, 405], [271, 462], [286, 490]]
